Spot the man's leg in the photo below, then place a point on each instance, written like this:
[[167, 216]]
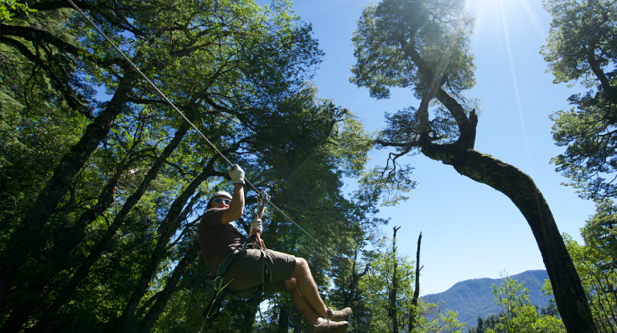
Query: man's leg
[[301, 303], [305, 296], [307, 287]]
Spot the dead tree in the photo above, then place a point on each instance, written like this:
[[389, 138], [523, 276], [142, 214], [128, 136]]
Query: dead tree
[[413, 309], [394, 287]]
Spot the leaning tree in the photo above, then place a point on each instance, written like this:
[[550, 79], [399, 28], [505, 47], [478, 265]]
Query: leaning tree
[[424, 45]]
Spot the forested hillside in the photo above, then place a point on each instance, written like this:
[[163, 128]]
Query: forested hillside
[[473, 298]]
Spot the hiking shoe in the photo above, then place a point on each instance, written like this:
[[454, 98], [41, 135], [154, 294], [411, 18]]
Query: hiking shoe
[[339, 315], [329, 326]]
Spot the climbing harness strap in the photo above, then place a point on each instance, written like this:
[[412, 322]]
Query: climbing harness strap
[[222, 290]]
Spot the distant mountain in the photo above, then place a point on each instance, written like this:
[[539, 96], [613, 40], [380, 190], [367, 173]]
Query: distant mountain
[[473, 298]]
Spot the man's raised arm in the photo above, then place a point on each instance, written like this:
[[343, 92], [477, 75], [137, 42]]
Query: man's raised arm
[[236, 206]]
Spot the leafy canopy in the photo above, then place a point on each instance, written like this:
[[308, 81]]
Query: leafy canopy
[[582, 47]]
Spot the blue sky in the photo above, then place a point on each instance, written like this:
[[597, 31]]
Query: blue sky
[[469, 230]]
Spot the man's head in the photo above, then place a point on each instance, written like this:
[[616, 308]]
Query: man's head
[[220, 199]]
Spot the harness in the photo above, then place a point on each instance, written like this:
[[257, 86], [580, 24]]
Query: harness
[[221, 290]]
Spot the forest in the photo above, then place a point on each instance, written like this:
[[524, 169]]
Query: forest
[[120, 118]]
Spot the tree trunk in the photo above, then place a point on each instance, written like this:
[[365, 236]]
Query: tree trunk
[[520, 188], [244, 311], [392, 310], [162, 297], [82, 272], [413, 310], [283, 324], [17, 250], [165, 231]]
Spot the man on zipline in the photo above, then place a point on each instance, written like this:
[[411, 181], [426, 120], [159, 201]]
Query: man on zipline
[[274, 271]]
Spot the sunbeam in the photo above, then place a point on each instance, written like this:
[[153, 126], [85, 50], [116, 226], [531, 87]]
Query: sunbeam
[[515, 83], [540, 31]]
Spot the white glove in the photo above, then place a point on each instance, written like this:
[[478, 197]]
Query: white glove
[[256, 225], [237, 174]]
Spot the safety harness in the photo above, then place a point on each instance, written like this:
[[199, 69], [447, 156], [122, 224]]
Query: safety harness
[[221, 290]]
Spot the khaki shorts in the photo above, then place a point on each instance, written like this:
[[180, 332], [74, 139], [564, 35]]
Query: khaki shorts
[[246, 273]]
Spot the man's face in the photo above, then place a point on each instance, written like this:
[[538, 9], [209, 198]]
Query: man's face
[[220, 202]]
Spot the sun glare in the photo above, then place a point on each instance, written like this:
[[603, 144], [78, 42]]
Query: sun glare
[[514, 82], [521, 12], [505, 20]]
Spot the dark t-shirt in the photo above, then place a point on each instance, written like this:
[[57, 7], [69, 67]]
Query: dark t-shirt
[[217, 240]]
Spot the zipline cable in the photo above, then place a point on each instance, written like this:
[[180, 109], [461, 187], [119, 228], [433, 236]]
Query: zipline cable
[[188, 121], [267, 198]]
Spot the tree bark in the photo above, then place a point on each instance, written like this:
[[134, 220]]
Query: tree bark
[[283, 324], [413, 310], [17, 250], [520, 188], [392, 310], [82, 272], [145, 325], [165, 231]]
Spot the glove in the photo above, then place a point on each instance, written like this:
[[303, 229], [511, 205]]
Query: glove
[[256, 225], [237, 174]]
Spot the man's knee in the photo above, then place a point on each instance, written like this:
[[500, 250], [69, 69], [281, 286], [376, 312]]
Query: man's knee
[[301, 262], [301, 266]]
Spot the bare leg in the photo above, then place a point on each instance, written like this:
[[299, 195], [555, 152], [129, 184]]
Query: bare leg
[[307, 287], [300, 303]]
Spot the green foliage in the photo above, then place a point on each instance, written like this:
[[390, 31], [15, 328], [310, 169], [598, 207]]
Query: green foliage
[[435, 34], [581, 47], [595, 263], [378, 282], [484, 325], [438, 30], [549, 322], [10, 8], [581, 40], [432, 320], [118, 252], [372, 294], [519, 315]]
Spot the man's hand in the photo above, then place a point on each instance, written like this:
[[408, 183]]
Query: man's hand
[[237, 174], [257, 239]]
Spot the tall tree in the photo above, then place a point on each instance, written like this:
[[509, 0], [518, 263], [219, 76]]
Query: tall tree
[[394, 286], [596, 263], [122, 179], [518, 314], [413, 308], [424, 45], [582, 47]]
